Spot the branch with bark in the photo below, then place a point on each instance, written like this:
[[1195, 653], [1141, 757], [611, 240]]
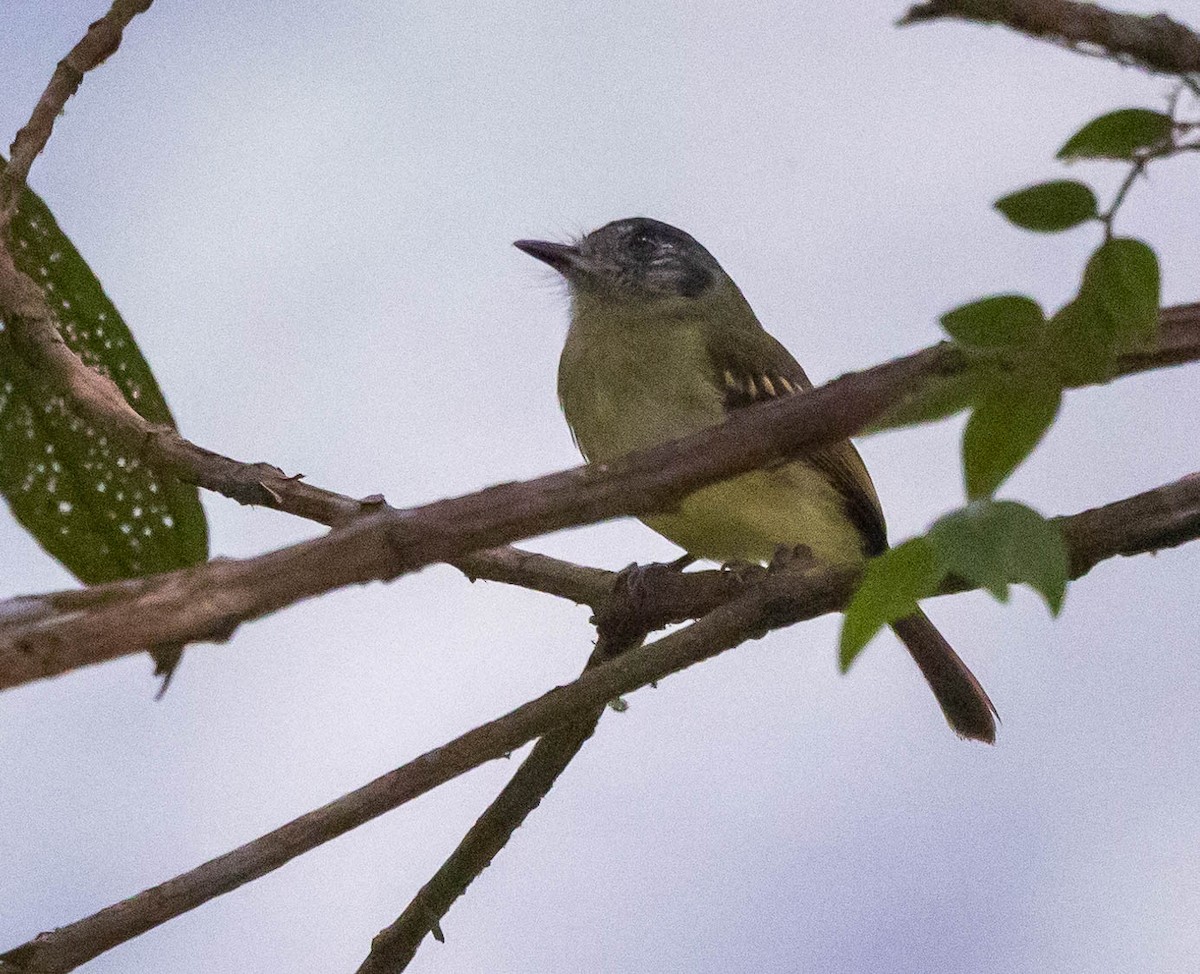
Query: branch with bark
[[1156, 43], [1160, 518], [663, 596], [99, 43], [208, 602], [395, 946], [374, 541], [43, 635]]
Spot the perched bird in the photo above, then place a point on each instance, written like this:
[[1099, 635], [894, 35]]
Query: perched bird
[[661, 344]]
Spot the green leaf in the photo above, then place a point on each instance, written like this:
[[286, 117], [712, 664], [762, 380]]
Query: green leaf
[[997, 543], [1122, 282], [1050, 207], [1118, 135], [1000, 321], [1116, 311], [1080, 346], [938, 398], [969, 372], [891, 587], [1006, 424], [95, 507]]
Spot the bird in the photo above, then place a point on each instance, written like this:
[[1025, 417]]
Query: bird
[[661, 344]]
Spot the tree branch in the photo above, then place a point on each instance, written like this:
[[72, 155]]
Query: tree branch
[[1156, 43], [1169, 515], [98, 44], [395, 946], [541, 573], [392, 541], [208, 602]]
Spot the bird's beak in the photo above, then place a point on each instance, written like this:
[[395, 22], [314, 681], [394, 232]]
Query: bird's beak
[[564, 258]]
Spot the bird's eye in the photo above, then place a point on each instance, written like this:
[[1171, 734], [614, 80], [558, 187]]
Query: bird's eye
[[641, 245]]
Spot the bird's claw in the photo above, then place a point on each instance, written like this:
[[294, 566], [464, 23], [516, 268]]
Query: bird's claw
[[744, 571], [786, 556]]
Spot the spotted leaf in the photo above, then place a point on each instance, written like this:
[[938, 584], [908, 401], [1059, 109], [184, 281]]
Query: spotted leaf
[[92, 505]]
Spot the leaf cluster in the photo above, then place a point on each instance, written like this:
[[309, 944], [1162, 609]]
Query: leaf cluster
[[1019, 362]]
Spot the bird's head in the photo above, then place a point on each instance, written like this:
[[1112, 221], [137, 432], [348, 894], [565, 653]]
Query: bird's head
[[636, 261]]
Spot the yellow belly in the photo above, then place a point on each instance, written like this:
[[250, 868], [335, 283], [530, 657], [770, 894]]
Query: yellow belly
[[748, 517], [618, 396]]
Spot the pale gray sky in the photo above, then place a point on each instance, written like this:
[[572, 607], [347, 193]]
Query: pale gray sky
[[304, 212]]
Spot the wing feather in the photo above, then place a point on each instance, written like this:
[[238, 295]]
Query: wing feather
[[753, 368]]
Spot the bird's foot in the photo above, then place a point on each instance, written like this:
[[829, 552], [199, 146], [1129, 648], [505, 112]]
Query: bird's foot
[[635, 582], [630, 599], [744, 571], [789, 556]]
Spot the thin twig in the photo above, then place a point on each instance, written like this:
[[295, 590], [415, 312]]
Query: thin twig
[[207, 602], [1156, 43], [395, 946], [1142, 159], [98, 44], [1167, 516]]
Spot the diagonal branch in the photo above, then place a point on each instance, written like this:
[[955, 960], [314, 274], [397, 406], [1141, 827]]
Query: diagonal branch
[[208, 602], [1156, 43], [93, 395], [663, 597], [395, 946], [32, 329], [98, 44], [1163, 517], [42, 647]]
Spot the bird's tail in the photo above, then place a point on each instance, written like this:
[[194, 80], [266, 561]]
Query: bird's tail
[[967, 708]]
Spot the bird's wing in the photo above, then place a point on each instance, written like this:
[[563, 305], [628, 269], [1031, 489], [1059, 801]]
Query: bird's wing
[[751, 367]]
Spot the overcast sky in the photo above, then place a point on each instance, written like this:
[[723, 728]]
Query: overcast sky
[[304, 211]]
